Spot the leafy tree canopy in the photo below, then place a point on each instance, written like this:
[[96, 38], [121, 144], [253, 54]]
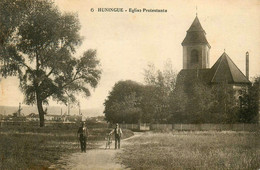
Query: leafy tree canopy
[[162, 83], [38, 45], [123, 102], [131, 102]]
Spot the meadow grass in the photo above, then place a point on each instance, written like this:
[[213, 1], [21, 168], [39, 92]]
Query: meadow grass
[[193, 150], [37, 148]]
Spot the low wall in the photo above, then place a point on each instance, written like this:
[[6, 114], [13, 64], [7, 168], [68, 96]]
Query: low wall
[[146, 127], [130, 126], [217, 127], [161, 126], [193, 127], [142, 126]]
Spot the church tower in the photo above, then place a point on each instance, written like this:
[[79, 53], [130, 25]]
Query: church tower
[[195, 47]]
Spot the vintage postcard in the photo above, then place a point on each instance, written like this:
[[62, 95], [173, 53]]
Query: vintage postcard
[[129, 84]]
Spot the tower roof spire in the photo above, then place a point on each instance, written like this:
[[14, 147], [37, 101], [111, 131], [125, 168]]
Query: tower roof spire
[[196, 26], [195, 34]]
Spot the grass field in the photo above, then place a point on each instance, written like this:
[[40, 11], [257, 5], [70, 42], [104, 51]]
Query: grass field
[[37, 148], [193, 150]]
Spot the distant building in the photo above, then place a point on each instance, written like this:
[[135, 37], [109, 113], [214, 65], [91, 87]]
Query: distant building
[[63, 118], [32, 117], [73, 118], [55, 118]]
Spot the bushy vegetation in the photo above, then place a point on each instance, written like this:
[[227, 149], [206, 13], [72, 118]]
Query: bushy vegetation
[[132, 102], [193, 150], [161, 100], [219, 103]]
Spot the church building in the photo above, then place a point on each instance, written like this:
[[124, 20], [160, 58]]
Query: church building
[[207, 94], [196, 62]]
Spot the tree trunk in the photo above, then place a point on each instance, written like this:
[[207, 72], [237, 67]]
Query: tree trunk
[[40, 110]]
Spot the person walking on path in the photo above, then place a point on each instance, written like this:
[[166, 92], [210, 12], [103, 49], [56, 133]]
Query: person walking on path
[[118, 134], [83, 135]]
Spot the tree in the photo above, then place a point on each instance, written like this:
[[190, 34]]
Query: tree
[[148, 104], [215, 103], [249, 103], [178, 102], [124, 102], [39, 50], [11, 12], [128, 110], [165, 79], [163, 83]]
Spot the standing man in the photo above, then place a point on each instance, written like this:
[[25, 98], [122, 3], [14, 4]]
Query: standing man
[[82, 134], [118, 133]]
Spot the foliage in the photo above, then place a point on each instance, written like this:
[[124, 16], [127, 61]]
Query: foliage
[[196, 102], [249, 103], [226, 104], [11, 12], [149, 104], [218, 103], [131, 102], [161, 85], [165, 80], [123, 102], [38, 47]]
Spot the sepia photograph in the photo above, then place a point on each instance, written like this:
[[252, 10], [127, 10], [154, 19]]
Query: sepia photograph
[[129, 84]]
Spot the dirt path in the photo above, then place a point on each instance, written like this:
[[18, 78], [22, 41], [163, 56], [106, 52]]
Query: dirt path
[[95, 159]]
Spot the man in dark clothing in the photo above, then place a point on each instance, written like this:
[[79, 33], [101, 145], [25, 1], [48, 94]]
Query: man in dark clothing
[[118, 134], [83, 134]]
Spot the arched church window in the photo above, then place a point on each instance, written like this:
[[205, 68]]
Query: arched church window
[[194, 56]]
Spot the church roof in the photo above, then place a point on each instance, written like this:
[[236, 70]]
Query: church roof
[[226, 70], [195, 34], [196, 26]]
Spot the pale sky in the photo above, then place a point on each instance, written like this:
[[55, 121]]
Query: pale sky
[[127, 42]]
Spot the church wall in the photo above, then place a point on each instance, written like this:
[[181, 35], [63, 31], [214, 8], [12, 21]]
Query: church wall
[[206, 56], [185, 64], [203, 52]]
